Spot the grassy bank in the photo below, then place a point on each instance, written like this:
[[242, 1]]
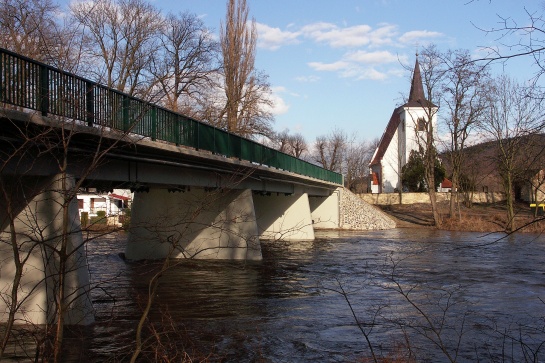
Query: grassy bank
[[478, 218]]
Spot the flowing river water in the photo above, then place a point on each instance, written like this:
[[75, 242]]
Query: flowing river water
[[406, 293]]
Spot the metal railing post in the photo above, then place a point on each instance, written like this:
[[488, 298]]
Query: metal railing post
[[177, 130], [126, 106], [43, 89], [89, 103], [153, 123], [2, 77]]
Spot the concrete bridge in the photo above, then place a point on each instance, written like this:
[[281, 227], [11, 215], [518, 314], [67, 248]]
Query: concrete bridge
[[201, 192]]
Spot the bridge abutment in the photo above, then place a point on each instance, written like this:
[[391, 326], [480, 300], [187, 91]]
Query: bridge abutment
[[35, 238], [283, 217], [193, 223]]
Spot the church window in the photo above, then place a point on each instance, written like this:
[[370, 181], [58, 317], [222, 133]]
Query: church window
[[421, 124]]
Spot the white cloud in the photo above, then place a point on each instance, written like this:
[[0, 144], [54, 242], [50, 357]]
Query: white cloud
[[350, 70], [361, 73], [307, 79], [378, 57], [317, 28], [362, 65], [273, 38], [335, 66], [369, 52], [335, 36], [416, 36], [279, 105], [342, 37], [352, 36]]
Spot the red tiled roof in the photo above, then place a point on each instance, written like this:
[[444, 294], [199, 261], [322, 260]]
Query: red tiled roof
[[117, 196], [446, 183]]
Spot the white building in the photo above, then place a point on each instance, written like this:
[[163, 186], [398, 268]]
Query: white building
[[111, 203], [405, 131]]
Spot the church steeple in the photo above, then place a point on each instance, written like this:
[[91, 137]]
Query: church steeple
[[417, 97], [417, 90]]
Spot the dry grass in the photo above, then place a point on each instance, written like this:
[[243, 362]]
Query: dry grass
[[478, 218]]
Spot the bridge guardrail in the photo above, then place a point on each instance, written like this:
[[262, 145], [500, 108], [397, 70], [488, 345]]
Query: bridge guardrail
[[30, 84]]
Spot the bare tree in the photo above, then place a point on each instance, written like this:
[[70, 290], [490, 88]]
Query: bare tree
[[519, 40], [120, 36], [292, 144], [514, 113], [298, 145], [27, 27], [330, 150], [281, 141], [432, 72], [356, 170], [37, 30], [247, 105], [463, 96], [184, 65]]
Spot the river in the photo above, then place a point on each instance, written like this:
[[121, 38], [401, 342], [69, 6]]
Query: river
[[408, 294]]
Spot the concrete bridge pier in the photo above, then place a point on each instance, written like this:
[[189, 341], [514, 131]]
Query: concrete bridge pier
[[191, 222], [326, 211], [38, 231], [283, 216]]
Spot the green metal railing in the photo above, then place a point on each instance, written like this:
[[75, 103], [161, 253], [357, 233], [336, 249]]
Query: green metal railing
[[33, 85]]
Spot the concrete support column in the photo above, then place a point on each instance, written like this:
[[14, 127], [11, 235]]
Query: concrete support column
[[38, 231], [285, 217], [325, 211], [193, 223]]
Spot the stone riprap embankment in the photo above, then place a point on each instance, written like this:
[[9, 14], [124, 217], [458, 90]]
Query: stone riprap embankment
[[357, 214]]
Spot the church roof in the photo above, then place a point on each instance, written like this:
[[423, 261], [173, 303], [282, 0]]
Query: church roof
[[417, 97], [386, 137]]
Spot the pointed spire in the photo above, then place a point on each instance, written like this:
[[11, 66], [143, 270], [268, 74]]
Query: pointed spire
[[417, 90]]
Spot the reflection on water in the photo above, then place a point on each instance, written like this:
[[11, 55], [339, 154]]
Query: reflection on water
[[478, 295]]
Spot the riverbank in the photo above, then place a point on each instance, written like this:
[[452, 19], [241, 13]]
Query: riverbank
[[478, 218]]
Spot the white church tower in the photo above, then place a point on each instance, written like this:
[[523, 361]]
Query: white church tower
[[406, 130]]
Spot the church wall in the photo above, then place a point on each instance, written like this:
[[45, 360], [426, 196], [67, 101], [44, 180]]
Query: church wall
[[411, 120], [403, 142], [390, 162]]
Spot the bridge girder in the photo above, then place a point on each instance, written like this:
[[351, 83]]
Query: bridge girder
[[139, 161]]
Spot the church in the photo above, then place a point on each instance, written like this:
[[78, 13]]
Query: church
[[405, 131]]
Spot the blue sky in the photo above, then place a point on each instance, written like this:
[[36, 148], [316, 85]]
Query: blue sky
[[339, 64]]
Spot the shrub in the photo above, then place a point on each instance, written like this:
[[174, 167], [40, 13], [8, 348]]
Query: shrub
[[84, 219], [100, 218]]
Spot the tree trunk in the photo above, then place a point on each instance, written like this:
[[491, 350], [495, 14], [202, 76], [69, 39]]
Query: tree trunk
[[509, 199], [433, 201]]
